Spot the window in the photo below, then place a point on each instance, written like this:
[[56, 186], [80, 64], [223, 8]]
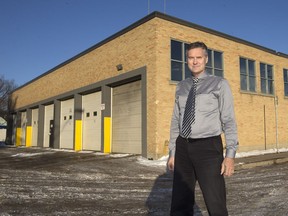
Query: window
[[215, 63], [285, 77], [179, 67], [247, 75], [266, 75]]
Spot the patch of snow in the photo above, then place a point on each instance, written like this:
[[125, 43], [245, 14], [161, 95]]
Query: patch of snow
[[30, 154], [259, 152], [100, 153], [64, 150], [163, 160], [119, 155], [144, 161], [160, 162]]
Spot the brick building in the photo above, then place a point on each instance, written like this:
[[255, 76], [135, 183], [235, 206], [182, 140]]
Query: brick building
[[118, 95]]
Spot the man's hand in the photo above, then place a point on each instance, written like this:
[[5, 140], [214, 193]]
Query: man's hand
[[170, 164], [227, 167]]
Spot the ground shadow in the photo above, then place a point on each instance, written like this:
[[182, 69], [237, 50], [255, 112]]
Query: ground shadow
[[159, 199]]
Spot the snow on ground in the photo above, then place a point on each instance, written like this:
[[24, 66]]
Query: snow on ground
[[260, 152], [163, 160], [144, 161], [30, 154], [160, 162]]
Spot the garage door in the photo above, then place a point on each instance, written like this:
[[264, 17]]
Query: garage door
[[91, 105], [34, 126], [67, 124], [23, 128], [49, 117], [126, 118]]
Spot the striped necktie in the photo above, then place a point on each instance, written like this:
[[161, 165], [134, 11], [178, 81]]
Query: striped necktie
[[189, 113]]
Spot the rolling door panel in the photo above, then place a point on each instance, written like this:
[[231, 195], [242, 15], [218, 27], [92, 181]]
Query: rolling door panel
[[49, 115], [67, 124], [23, 128], [126, 118], [92, 121], [34, 126]]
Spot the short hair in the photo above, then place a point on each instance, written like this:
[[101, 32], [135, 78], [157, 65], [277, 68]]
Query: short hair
[[197, 44]]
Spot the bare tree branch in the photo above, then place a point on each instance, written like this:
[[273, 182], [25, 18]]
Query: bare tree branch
[[6, 87]]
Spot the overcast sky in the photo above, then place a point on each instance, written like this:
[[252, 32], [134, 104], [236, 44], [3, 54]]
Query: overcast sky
[[37, 35]]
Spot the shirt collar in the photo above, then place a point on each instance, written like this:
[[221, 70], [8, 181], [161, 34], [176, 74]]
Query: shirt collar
[[202, 75]]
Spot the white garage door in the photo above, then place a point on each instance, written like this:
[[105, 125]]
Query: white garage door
[[34, 126], [126, 118], [91, 104], [67, 124], [49, 116]]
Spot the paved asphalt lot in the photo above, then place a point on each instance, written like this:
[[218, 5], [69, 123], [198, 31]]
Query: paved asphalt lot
[[49, 182]]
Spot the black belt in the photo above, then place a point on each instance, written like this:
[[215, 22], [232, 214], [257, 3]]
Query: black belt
[[190, 140]]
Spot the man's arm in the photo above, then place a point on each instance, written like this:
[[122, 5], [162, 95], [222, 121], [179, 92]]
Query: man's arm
[[174, 133], [229, 128], [228, 120]]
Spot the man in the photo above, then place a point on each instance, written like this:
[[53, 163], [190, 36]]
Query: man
[[196, 150]]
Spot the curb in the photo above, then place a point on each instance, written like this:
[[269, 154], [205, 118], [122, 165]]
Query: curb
[[243, 165]]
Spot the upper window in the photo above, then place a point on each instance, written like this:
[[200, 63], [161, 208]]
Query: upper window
[[179, 67], [285, 77], [247, 75], [267, 79], [215, 63]]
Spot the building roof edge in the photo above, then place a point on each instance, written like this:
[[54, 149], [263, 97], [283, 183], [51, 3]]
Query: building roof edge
[[146, 19]]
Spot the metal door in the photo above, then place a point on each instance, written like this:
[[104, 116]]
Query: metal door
[[51, 134], [67, 124], [35, 113], [49, 115], [126, 118], [91, 104]]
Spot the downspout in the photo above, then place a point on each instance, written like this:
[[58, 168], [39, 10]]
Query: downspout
[[265, 134], [276, 120]]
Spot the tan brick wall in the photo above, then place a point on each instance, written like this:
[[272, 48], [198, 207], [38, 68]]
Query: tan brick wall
[[249, 108], [149, 45]]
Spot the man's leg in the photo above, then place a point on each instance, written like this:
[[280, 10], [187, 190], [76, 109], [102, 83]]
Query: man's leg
[[184, 181], [208, 168]]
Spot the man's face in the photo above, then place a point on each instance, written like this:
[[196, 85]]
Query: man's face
[[197, 60]]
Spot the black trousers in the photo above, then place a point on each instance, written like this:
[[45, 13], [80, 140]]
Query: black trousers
[[198, 160]]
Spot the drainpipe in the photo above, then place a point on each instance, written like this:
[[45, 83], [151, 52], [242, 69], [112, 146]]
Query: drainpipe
[[265, 134], [276, 120]]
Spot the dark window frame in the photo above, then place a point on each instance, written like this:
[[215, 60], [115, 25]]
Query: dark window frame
[[248, 76], [285, 81], [211, 66], [178, 61], [267, 78]]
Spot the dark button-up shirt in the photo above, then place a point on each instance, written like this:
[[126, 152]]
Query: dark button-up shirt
[[214, 112]]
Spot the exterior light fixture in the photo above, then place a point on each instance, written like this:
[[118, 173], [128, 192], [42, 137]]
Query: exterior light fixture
[[119, 67]]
